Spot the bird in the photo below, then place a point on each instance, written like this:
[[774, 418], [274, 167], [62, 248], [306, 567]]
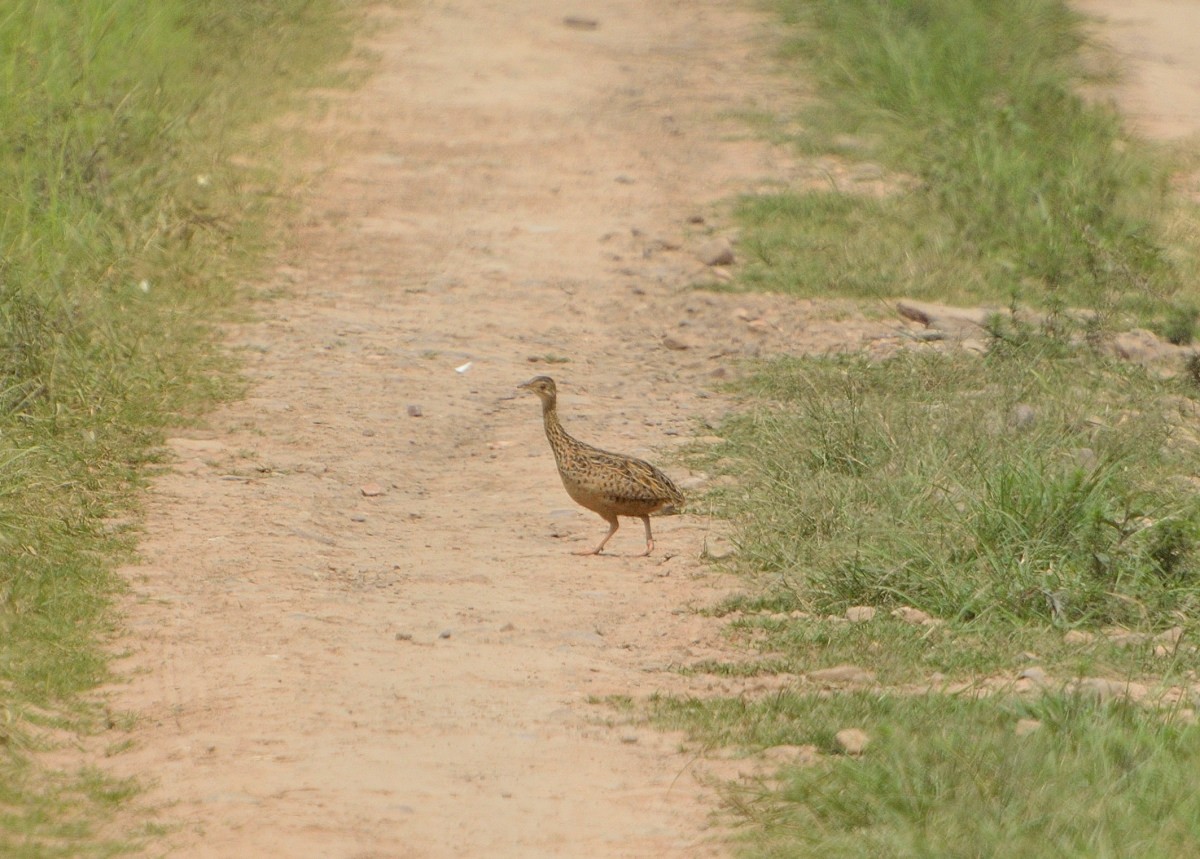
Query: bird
[[610, 484]]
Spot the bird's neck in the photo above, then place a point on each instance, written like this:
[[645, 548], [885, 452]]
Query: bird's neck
[[554, 428]]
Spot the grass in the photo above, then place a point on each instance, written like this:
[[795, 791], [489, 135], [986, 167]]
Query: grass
[[951, 776], [1038, 500], [1010, 186], [1034, 483], [125, 230]]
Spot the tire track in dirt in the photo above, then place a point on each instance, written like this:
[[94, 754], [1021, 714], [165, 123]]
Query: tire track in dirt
[[322, 673]]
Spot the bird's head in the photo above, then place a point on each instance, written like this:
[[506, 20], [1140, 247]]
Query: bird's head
[[543, 386]]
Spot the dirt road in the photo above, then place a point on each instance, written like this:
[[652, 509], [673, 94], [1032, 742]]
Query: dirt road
[[358, 632]]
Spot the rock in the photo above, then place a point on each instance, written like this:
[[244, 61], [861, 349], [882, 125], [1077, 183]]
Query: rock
[[576, 22], [372, 490], [852, 741], [693, 483], [842, 674], [413, 410], [358, 517], [445, 633], [1025, 727], [1022, 416], [404, 636], [716, 252], [695, 219], [1142, 347], [1035, 674], [958, 322], [1086, 458], [629, 739], [908, 614], [1127, 639], [674, 343], [1079, 636], [1104, 689], [860, 613], [1170, 636]]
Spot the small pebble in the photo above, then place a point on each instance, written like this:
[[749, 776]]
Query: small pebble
[[372, 490], [358, 517], [414, 411], [445, 633], [577, 22], [404, 636]]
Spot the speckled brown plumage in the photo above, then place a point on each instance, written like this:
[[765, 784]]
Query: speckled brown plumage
[[609, 484]]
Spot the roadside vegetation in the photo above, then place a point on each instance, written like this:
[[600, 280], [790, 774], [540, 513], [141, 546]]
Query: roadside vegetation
[[125, 231], [1016, 529]]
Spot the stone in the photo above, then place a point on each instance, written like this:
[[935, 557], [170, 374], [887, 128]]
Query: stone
[[716, 252], [1079, 636], [372, 490], [577, 22], [1170, 636], [676, 344], [852, 741], [413, 410], [908, 614], [860, 613], [1105, 689], [1022, 416], [1035, 674]]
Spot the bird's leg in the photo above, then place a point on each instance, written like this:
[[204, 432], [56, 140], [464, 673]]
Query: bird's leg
[[649, 537], [613, 525]]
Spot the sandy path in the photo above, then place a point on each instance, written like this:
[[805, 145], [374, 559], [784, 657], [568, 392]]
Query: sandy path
[[504, 187], [323, 673], [1158, 43]]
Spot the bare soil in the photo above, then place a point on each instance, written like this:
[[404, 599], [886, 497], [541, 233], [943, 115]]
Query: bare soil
[[358, 630]]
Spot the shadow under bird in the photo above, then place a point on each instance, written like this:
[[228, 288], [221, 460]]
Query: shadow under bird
[[609, 484]]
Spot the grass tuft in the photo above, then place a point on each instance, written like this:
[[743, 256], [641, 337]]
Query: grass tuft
[[1010, 186], [951, 776], [125, 231]]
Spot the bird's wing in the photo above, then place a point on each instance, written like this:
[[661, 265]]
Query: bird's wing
[[639, 480]]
